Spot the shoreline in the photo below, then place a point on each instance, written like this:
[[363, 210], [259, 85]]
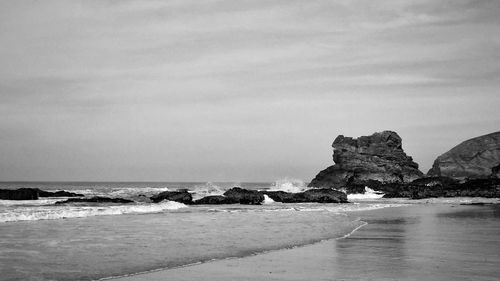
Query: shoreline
[[330, 257], [256, 254]]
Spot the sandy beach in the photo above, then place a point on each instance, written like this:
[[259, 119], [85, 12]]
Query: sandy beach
[[420, 242]]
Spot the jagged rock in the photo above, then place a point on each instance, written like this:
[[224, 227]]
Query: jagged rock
[[473, 158], [96, 199], [244, 196], [379, 157], [446, 187], [19, 194], [61, 193], [315, 195], [182, 196], [216, 200]]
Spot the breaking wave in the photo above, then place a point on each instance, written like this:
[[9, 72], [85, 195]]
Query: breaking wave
[[289, 185], [58, 212], [369, 194]]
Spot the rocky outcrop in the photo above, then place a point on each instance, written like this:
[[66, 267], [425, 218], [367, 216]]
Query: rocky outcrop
[[244, 196], [215, 200], [474, 158], [61, 193], [96, 199], [379, 157], [181, 196], [19, 194], [446, 187], [315, 195], [33, 194], [238, 195]]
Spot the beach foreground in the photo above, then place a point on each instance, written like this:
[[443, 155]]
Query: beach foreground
[[419, 242]]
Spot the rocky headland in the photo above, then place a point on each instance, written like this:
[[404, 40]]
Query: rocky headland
[[379, 162]]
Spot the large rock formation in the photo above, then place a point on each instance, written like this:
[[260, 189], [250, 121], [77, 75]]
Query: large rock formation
[[474, 158], [379, 157]]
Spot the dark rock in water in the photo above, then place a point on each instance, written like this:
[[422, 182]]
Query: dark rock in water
[[315, 195], [379, 157], [33, 194], [19, 194], [473, 158], [324, 195], [61, 193], [244, 196], [281, 196], [432, 187], [96, 199], [216, 200], [179, 196]]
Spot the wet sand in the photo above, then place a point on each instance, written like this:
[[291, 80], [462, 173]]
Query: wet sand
[[419, 242]]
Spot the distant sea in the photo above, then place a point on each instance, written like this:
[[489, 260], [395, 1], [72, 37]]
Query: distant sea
[[43, 241]]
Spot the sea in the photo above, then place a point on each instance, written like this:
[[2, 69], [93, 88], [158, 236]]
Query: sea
[[40, 240]]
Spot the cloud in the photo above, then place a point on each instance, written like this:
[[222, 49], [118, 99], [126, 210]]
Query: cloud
[[210, 82]]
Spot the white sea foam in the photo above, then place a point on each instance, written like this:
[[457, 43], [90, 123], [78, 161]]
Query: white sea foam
[[268, 200], [60, 212], [206, 189], [369, 194], [39, 202], [289, 185]]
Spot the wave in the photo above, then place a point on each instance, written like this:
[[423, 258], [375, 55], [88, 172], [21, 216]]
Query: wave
[[58, 212], [206, 189], [289, 185], [369, 194]]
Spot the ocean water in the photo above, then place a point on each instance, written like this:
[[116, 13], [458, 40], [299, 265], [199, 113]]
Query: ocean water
[[43, 241]]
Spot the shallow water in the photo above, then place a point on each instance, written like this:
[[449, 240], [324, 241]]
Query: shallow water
[[102, 246]]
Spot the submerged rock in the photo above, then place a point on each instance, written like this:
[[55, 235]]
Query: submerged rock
[[96, 199], [182, 196], [474, 158], [19, 194], [379, 157], [244, 196]]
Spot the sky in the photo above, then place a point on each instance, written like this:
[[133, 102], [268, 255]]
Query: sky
[[236, 90]]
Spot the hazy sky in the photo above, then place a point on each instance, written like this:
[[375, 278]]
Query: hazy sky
[[237, 90]]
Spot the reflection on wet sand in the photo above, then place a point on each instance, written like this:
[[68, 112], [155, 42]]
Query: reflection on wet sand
[[423, 243]]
